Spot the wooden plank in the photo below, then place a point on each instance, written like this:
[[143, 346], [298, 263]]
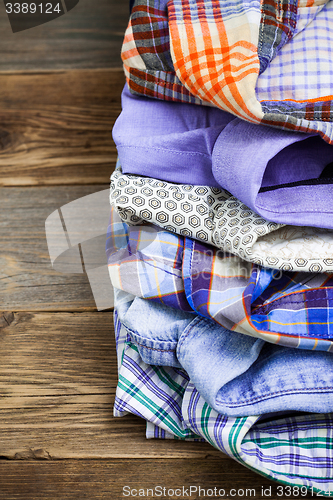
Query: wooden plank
[[118, 479], [89, 36], [55, 127], [58, 374], [27, 280]]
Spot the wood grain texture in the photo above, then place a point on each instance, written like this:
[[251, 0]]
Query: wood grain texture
[[55, 127], [58, 374], [105, 479], [27, 280], [89, 36]]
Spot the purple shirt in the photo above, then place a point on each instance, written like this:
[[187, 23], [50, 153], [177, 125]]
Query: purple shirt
[[279, 174]]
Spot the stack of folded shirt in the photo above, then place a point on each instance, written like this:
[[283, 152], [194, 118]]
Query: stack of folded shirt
[[220, 245]]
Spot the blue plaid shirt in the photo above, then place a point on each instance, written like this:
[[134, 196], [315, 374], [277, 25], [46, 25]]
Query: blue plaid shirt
[[290, 309]]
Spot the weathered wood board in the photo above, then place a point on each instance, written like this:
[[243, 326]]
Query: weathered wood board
[[119, 479], [55, 127]]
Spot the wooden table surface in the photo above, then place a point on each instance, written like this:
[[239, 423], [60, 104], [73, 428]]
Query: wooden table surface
[[60, 87]]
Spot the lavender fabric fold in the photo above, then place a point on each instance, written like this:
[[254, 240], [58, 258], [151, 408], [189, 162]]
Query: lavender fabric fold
[[166, 140], [284, 176], [276, 173]]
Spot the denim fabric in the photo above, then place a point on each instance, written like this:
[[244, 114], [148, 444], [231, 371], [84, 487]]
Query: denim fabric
[[295, 449], [237, 375], [154, 328]]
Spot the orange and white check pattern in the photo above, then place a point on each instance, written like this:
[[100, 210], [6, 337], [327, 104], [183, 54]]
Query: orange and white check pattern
[[215, 53]]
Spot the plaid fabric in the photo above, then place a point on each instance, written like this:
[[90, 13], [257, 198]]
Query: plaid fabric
[[296, 450], [291, 309], [213, 46], [253, 59]]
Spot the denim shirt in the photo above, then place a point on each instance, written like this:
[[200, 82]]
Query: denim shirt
[[237, 375], [294, 449]]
